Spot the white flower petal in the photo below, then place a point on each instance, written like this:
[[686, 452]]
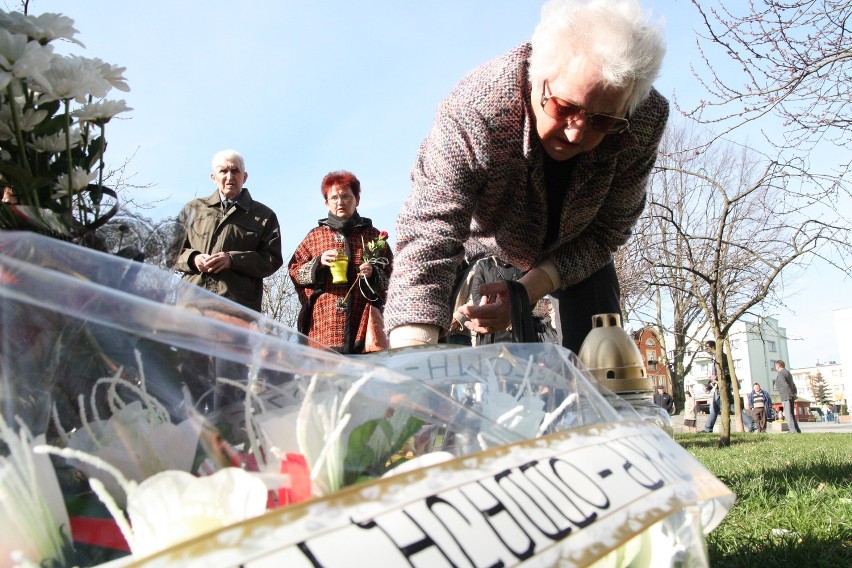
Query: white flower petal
[[56, 143], [80, 179], [32, 513], [25, 59], [172, 506], [43, 28], [100, 112]]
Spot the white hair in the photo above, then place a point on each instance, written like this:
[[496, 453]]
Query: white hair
[[225, 155], [617, 35]]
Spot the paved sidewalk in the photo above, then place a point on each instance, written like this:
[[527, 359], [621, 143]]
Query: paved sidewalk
[[806, 427]]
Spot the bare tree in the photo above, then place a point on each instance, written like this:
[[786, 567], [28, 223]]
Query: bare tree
[[792, 59], [280, 301], [133, 236], [738, 222], [655, 265]]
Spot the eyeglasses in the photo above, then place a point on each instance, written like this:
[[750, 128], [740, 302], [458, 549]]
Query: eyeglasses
[[562, 110], [344, 197]]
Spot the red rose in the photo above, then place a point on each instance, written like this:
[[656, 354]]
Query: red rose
[[383, 235]]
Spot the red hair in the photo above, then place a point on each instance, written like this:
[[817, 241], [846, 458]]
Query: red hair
[[341, 178]]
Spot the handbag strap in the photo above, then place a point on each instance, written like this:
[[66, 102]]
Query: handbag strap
[[523, 327]]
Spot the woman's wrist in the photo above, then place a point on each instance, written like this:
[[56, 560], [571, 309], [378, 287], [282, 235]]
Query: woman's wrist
[[414, 334], [540, 281]]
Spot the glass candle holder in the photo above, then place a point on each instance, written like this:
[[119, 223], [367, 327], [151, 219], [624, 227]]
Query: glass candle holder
[[339, 268]]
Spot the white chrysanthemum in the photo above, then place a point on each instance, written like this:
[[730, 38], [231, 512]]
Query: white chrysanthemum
[[56, 143], [100, 112], [112, 74], [27, 121], [80, 179], [74, 78], [42, 28], [24, 59]]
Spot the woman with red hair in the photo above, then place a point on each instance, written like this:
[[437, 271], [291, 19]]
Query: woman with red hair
[[335, 310]]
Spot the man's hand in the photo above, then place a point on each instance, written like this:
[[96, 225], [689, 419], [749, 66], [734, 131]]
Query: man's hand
[[214, 263], [366, 270], [494, 312]]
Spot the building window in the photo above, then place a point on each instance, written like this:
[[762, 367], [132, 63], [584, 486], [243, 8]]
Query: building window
[[772, 365], [770, 346], [735, 344], [651, 354], [738, 364], [650, 342]]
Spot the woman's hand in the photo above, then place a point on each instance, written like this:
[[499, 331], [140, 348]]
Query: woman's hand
[[328, 257], [366, 270], [494, 311]]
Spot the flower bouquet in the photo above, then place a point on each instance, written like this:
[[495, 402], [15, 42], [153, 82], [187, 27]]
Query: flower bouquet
[[374, 250], [307, 456], [53, 117]]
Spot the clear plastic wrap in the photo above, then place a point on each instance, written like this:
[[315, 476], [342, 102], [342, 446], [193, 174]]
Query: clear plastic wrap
[[137, 379]]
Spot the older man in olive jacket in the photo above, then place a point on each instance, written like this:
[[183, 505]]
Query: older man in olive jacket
[[230, 241]]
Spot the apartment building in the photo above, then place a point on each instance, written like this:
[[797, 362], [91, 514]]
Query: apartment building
[[755, 346]]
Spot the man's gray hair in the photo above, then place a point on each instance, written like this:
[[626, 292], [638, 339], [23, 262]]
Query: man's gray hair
[[616, 35]]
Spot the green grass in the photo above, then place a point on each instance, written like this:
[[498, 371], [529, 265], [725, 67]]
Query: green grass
[[800, 484]]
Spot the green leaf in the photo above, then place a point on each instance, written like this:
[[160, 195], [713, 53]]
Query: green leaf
[[412, 426], [359, 455]]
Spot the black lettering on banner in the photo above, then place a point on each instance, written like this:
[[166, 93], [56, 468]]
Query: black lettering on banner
[[576, 481], [529, 498], [394, 525], [635, 470], [563, 496], [472, 535], [664, 463], [303, 548], [501, 521]]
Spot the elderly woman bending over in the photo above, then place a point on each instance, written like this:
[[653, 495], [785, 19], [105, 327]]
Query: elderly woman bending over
[[539, 157]]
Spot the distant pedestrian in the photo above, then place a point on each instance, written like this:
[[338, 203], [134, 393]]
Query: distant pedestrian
[[690, 410], [758, 403], [787, 393], [826, 411], [664, 399], [715, 396]]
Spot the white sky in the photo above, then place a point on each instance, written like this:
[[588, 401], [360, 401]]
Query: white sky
[[304, 88]]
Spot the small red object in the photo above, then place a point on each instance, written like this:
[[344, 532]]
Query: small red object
[[101, 532], [296, 467]]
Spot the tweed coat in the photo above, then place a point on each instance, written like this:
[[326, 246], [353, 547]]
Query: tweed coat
[[320, 318], [248, 232], [478, 189]]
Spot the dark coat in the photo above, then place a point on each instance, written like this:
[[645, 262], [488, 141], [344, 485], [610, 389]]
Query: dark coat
[[665, 400]]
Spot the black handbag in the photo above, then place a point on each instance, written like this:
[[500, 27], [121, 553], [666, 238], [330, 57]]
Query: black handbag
[[524, 328]]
